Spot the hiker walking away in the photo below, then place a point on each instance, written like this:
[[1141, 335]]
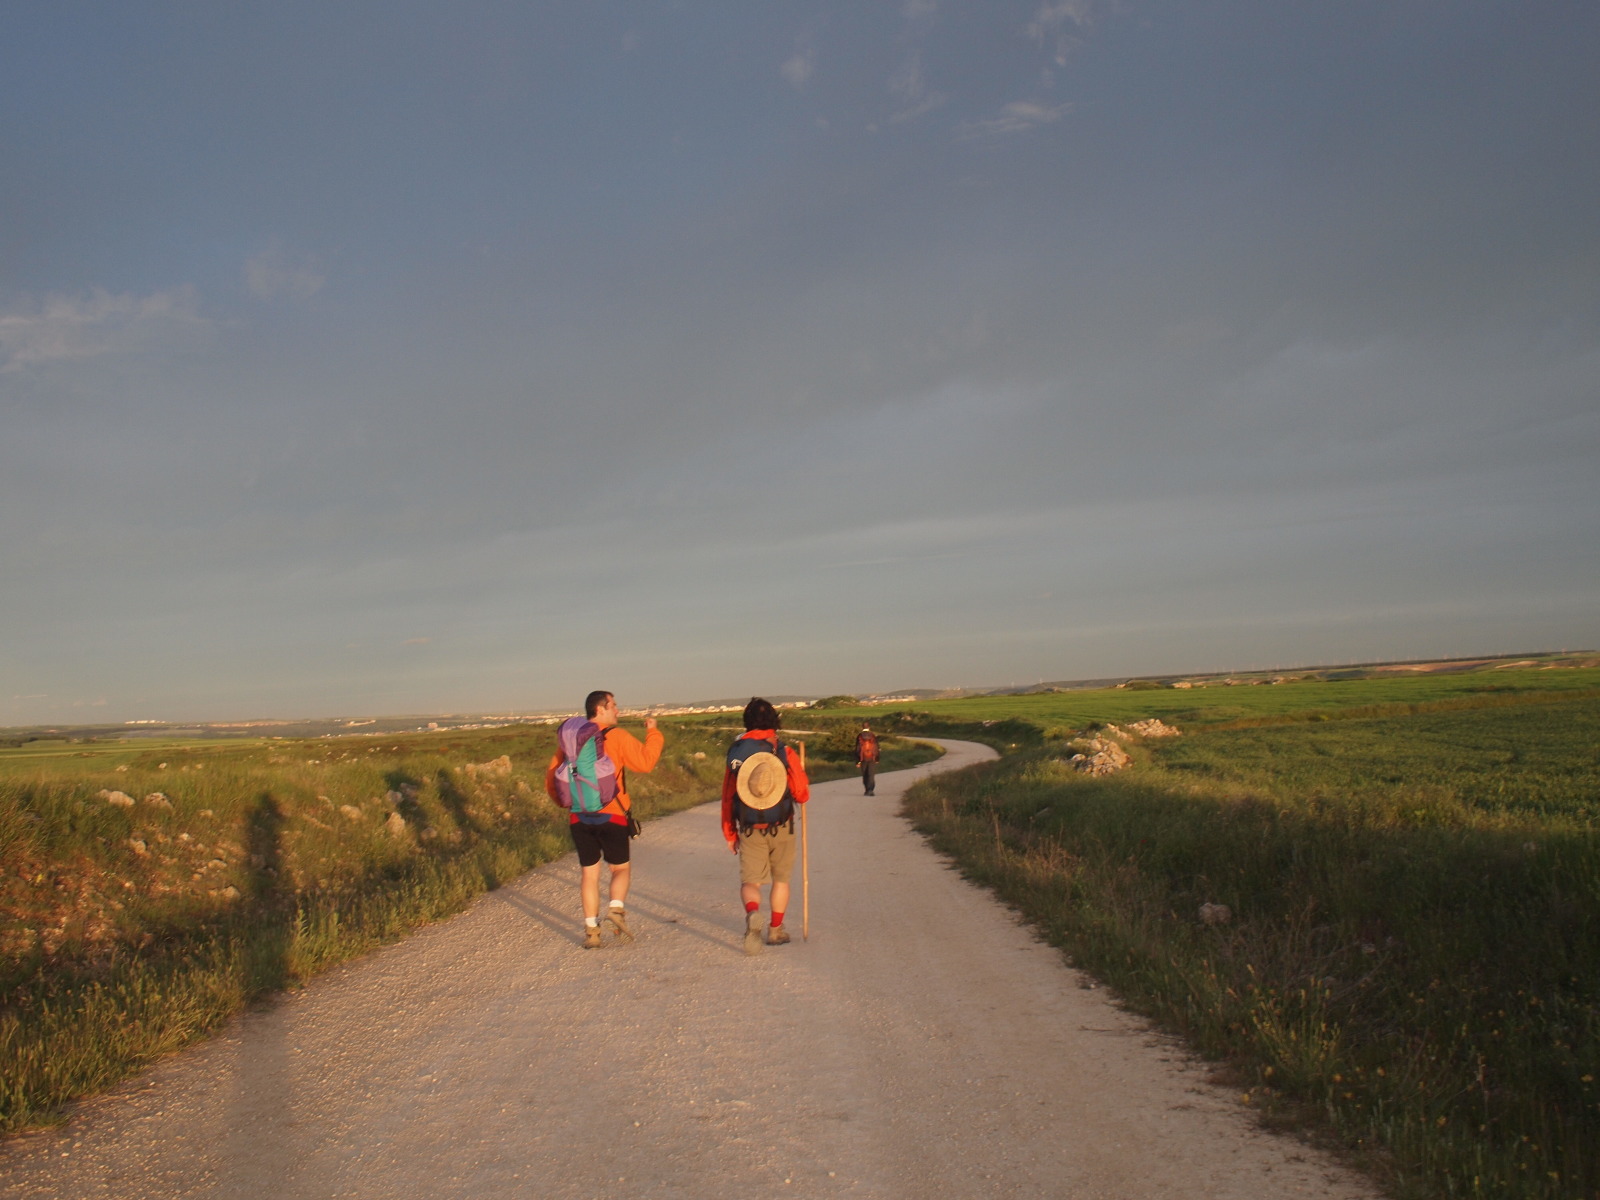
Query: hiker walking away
[[867, 757], [588, 775], [761, 786]]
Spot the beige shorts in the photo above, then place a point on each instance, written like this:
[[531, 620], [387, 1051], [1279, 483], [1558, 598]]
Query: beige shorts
[[767, 856]]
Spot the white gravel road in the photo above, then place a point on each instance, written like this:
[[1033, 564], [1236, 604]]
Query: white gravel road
[[921, 1043]]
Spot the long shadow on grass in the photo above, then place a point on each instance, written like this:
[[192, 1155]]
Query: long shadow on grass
[[456, 802], [260, 1060]]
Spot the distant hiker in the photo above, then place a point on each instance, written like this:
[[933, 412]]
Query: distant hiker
[[587, 776], [867, 757], [761, 786]]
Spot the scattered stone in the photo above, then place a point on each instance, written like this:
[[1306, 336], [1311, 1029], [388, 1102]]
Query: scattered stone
[[1215, 914], [216, 864], [120, 799], [158, 800], [206, 812], [350, 811], [394, 798], [230, 892], [161, 766], [395, 825], [122, 769], [699, 753], [138, 847]]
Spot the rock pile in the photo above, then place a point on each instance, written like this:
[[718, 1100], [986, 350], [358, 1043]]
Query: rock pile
[[1101, 756], [1153, 728]]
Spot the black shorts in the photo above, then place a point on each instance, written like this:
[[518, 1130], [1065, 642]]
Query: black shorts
[[591, 841]]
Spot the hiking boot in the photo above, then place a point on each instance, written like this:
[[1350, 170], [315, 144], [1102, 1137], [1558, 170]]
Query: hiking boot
[[591, 937], [777, 936], [753, 925], [619, 922]]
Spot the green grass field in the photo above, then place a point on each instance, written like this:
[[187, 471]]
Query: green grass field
[[1412, 959], [236, 868]]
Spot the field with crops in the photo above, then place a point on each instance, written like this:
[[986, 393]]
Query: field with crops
[[149, 889], [1375, 902]]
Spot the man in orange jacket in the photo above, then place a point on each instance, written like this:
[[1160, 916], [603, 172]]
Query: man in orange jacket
[[765, 844], [608, 839]]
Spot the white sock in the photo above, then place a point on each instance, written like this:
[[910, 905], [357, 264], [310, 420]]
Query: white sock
[[592, 922], [616, 904]]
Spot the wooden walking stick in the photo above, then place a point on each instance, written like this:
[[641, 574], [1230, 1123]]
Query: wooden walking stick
[[805, 866]]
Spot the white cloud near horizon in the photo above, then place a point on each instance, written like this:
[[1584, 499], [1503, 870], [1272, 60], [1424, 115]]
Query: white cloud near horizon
[[63, 328]]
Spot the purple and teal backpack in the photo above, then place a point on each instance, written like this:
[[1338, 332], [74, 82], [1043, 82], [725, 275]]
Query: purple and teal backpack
[[586, 780]]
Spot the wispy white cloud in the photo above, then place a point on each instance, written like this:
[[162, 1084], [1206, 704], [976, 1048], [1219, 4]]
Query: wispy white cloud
[[65, 328], [798, 68], [1017, 117], [274, 274], [1057, 21], [911, 89]]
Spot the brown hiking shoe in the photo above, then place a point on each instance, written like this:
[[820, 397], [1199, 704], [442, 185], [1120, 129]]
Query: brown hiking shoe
[[753, 925], [777, 936], [619, 922], [591, 937]]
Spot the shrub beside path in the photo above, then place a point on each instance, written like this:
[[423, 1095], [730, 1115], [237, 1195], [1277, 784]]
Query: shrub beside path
[[921, 1043]]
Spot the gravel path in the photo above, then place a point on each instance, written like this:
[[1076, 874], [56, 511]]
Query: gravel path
[[921, 1042]]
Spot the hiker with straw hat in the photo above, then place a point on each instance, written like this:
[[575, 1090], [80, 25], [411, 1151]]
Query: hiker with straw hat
[[764, 783]]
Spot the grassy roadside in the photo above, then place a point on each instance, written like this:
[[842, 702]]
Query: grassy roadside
[[149, 890], [1411, 955]]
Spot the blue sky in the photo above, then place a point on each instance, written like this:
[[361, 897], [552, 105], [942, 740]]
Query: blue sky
[[412, 357]]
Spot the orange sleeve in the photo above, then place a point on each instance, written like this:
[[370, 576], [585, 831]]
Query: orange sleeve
[[799, 785], [550, 775], [626, 750], [730, 789]]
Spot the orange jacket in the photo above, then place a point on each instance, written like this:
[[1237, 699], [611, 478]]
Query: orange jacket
[[799, 785], [622, 748]]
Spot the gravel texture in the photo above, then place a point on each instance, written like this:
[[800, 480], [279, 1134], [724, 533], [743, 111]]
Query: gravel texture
[[921, 1042]]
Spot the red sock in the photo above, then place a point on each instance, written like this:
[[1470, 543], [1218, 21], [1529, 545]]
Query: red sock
[[751, 906], [777, 919]]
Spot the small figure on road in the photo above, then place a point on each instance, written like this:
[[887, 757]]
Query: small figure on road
[[763, 783], [588, 776], [867, 757]]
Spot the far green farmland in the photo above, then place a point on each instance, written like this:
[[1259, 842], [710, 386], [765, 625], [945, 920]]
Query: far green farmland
[[1217, 704]]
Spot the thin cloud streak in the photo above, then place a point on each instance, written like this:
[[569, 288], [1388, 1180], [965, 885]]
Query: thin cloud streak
[[65, 328]]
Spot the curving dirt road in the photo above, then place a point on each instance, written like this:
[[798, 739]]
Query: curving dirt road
[[921, 1042]]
